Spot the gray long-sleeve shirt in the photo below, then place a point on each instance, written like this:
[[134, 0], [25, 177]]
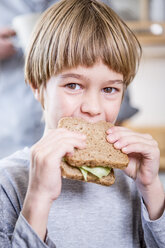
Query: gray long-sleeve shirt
[[85, 214]]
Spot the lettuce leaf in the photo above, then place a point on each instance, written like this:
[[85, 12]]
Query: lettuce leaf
[[84, 172], [97, 171]]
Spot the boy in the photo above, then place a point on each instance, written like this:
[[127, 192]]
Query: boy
[[80, 61]]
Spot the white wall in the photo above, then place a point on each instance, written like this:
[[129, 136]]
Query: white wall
[[148, 89]]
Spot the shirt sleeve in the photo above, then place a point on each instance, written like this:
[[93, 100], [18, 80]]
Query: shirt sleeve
[[154, 230], [15, 231], [24, 236]]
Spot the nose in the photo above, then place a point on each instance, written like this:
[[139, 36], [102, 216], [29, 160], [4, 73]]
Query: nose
[[91, 104]]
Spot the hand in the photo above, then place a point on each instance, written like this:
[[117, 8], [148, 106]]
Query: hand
[[143, 167], [46, 156], [45, 175], [6, 47], [143, 153]]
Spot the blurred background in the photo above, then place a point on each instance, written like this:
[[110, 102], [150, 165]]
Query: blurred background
[[143, 108]]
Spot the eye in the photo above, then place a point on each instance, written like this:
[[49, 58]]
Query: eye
[[109, 90], [73, 86]]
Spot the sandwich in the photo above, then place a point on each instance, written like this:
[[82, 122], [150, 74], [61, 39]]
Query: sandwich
[[95, 163]]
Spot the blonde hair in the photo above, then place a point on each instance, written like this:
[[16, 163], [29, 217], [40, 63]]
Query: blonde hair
[[80, 32]]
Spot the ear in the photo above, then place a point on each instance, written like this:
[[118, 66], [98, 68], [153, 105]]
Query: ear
[[36, 93]]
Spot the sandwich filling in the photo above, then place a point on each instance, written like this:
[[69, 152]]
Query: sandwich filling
[[97, 171]]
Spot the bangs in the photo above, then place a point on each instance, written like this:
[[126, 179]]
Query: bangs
[[80, 33]]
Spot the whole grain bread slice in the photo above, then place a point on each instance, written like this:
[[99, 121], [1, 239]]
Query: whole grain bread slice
[[74, 173], [98, 151]]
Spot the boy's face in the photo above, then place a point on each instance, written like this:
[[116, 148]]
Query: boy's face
[[92, 93]]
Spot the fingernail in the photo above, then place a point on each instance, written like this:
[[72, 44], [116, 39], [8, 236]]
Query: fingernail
[[117, 145], [110, 138], [70, 154], [109, 131], [83, 136], [83, 144], [124, 149]]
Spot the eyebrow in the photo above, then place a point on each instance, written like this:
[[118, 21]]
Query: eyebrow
[[82, 77]]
